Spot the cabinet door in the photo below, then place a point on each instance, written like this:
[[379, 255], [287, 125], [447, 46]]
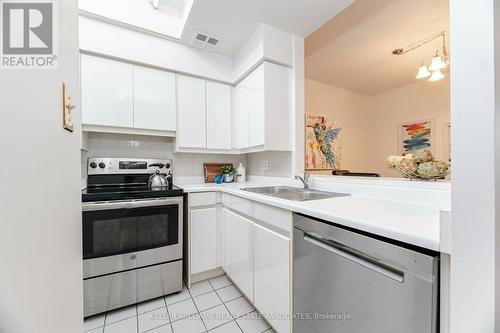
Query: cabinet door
[[272, 276], [218, 116], [240, 121], [203, 239], [107, 88], [249, 110], [238, 251], [256, 124], [192, 132], [278, 116], [154, 99]]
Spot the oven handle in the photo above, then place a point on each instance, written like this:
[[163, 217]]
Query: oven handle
[[106, 205]]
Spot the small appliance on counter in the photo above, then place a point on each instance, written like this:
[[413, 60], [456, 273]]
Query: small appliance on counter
[[132, 233]]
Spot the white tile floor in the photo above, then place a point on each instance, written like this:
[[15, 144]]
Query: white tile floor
[[214, 305]]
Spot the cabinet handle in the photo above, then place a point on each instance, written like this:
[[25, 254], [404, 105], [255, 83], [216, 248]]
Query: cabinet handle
[[354, 255]]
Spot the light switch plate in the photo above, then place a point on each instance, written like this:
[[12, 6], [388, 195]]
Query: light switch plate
[[265, 165], [68, 110]]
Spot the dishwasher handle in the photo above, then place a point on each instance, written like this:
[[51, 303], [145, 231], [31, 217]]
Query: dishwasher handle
[[354, 255]]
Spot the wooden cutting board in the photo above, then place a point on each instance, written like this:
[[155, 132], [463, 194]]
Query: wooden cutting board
[[213, 169]]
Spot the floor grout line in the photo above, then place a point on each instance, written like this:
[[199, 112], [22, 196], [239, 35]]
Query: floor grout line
[[168, 312], [223, 303], [196, 306], [137, 317]]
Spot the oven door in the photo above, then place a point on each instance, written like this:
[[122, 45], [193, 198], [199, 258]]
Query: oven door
[[123, 235]]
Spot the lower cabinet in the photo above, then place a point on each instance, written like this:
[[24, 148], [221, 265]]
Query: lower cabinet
[[248, 245], [203, 239], [238, 251], [272, 276]]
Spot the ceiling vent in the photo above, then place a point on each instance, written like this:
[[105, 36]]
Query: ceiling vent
[[205, 41]]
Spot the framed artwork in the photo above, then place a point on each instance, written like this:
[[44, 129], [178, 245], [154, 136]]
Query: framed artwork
[[323, 149], [415, 135]]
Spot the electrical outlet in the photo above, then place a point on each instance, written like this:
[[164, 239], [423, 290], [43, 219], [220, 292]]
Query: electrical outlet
[[265, 165]]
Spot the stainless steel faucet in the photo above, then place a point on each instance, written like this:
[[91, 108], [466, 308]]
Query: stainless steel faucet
[[304, 180]]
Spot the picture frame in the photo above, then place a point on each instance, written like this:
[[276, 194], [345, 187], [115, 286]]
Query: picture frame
[[415, 135]]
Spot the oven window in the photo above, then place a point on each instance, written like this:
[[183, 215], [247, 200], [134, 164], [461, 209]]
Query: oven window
[[118, 231]]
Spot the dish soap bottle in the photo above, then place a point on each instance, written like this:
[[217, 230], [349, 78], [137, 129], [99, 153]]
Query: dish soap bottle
[[240, 173]]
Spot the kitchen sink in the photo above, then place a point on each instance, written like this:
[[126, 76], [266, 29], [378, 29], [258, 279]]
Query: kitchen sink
[[293, 193]]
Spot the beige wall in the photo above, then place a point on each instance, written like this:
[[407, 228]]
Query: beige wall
[[420, 101], [370, 123], [347, 110]]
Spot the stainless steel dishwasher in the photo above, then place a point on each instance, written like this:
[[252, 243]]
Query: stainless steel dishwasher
[[350, 282]]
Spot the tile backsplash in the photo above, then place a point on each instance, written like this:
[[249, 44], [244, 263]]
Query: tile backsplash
[[140, 146], [279, 164], [185, 164]]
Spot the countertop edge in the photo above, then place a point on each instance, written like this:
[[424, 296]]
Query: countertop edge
[[409, 238]]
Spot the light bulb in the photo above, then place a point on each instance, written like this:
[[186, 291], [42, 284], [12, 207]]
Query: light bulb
[[436, 76], [423, 72], [437, 63]]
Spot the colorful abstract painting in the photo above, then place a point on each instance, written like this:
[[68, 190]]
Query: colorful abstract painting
[[415, 136], [323, 144]]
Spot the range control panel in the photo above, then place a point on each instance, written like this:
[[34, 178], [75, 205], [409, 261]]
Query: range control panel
[[114, 166]]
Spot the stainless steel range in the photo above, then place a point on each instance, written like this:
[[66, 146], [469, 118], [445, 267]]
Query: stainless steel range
[[132, 233]]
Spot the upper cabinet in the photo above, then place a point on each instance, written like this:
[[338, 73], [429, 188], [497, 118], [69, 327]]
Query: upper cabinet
[[262, 109], [107, 92], [206, 116], [192, 130], [120, 97], [154, 99], [218, 116], [204, 111]]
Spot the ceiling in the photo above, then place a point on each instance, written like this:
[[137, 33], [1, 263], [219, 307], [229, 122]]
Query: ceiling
[[168, 20], [353, 50], [234, 21]]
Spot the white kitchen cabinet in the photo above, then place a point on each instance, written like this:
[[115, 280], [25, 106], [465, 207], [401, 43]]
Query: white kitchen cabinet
[[262, 109], [241, 109], [154, 99], [205, 115], [203, 239], [192, 128], [254, 86], [107, 92], [238, 251], [272, 276], [118, 97], [218, 115]]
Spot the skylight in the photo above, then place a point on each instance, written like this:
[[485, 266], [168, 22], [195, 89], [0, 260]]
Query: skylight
[[165, 17]]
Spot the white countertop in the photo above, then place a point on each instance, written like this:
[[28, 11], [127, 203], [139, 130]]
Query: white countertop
[[406, 222]]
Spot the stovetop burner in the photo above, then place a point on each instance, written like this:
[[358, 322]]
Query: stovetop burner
[[125, 192], [125, 179]]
